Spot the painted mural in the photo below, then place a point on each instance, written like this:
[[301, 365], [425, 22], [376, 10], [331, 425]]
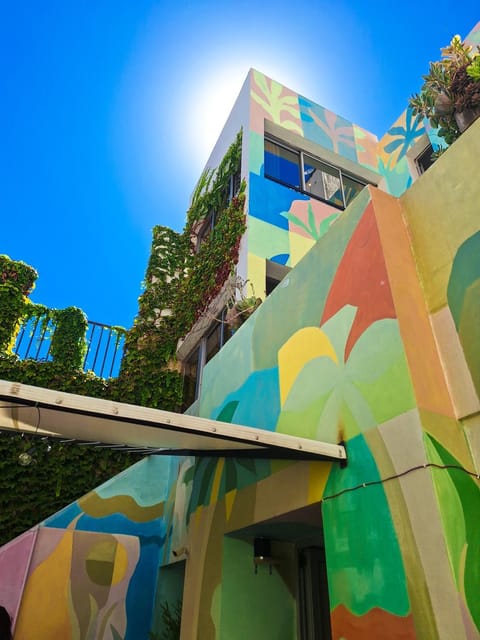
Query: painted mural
[[94, 565], [283, 224], [371, 339], [344, 350]]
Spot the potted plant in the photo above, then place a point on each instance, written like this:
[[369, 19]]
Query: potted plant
[[241, 310], [450, 95]]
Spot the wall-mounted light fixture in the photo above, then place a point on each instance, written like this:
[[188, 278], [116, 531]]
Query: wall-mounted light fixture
[[25, 458], [262, 553]]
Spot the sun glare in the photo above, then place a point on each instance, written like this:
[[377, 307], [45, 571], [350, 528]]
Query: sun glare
[[216, 91]]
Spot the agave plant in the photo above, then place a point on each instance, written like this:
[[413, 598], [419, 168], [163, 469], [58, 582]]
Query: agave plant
[[451, 88]]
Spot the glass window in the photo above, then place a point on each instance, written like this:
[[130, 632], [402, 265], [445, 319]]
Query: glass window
[[275, 273], [207, 226], [282, 164], [322, 180], [191, 379], [424, 160], [351, 188], [214, 342], [310, 175], [218, 336]]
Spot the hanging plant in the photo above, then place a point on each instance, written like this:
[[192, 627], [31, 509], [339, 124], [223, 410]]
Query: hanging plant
[[450, 95]]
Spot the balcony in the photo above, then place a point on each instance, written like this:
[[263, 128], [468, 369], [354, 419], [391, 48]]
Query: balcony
[[104, 353]]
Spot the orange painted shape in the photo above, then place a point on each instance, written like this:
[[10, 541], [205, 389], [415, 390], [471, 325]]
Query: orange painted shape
[[376, 623], [426, 371], [361, 280]]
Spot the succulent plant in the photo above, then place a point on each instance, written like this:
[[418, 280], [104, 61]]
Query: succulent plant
[[451, 87]]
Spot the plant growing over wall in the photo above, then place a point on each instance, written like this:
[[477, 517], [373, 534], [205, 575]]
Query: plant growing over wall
[[68, 341], [171, 619], [17, 280], [148, 376], [57, 475], [180, 282], [450, 90]]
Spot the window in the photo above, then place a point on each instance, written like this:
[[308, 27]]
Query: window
[[211, 219], [274, 273], [207, 226], [424, 160], [309, 175], [233, 186], [282, 164], [191, 379], [322, 181], [211, 343]]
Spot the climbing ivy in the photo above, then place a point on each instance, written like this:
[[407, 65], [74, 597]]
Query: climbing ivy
[[57, 475], [17, 279], [180, 282], [68, 345]]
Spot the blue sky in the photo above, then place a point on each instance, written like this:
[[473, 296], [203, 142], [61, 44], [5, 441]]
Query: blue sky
[[109, 109]]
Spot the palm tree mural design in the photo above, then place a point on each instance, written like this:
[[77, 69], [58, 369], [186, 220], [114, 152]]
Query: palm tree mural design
[[404, 134], [311, 227]]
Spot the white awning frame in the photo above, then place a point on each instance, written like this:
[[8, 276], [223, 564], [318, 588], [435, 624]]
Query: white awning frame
[[56, 414]]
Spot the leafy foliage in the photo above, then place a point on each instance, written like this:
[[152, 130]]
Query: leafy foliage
[[68, 340], [171, 619], [17, 279], [57, 475], [451, 86], [180, 282]]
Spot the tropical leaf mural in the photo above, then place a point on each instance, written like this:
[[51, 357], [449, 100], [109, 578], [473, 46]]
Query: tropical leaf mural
[[459, 502], [404, 134], [313, 229], [328, 129], [280, 104], [213, 478], [335, 396]]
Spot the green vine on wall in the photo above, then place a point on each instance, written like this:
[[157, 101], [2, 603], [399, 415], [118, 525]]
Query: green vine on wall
[[68, 346], [180, 283], [17, 280], [57, 475]]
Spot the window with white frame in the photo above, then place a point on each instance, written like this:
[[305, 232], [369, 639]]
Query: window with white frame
[[308, 174]]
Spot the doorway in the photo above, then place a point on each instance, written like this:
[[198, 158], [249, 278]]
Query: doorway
[[298, 557], [312, 600]]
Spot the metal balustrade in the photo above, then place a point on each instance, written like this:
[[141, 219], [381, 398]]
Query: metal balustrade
[[104, 345]]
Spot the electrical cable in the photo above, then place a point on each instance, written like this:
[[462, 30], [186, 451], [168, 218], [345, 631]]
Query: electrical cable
[[427, 465]]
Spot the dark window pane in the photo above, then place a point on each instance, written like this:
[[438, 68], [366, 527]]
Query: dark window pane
[[282, 164], [424, 160], [214, 342], [322, 181], [270, 285], [207, 226], [190, 380], [351, 188]]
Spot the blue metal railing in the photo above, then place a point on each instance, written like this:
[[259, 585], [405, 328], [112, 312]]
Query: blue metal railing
[[104, 353]]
